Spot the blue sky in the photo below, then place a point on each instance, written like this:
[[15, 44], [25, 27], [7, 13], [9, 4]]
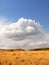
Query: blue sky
[[20, 30], [32, 9]]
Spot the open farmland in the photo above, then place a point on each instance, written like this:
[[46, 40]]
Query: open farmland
[[17, 57]]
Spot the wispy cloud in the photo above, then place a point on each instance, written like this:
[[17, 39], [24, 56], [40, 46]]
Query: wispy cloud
[[25, 33]]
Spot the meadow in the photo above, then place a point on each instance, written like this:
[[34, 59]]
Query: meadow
[[21, 57]]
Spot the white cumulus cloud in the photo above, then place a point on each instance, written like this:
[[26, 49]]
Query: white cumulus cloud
[[24, 28], [25, 34]]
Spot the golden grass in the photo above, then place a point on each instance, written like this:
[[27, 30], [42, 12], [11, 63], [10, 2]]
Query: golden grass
[[16, 57]]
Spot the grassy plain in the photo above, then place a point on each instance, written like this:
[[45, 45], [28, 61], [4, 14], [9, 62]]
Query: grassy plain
[[21, 57]]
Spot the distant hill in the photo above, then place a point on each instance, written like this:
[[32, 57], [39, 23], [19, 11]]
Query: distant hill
[[45, 48], [12, 50]]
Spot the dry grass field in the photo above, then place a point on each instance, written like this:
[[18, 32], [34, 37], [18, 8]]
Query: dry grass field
[[17, 57]]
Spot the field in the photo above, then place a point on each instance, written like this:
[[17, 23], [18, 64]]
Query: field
[[20, 57]]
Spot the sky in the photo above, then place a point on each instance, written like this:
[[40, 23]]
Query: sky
[[23, 20]]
